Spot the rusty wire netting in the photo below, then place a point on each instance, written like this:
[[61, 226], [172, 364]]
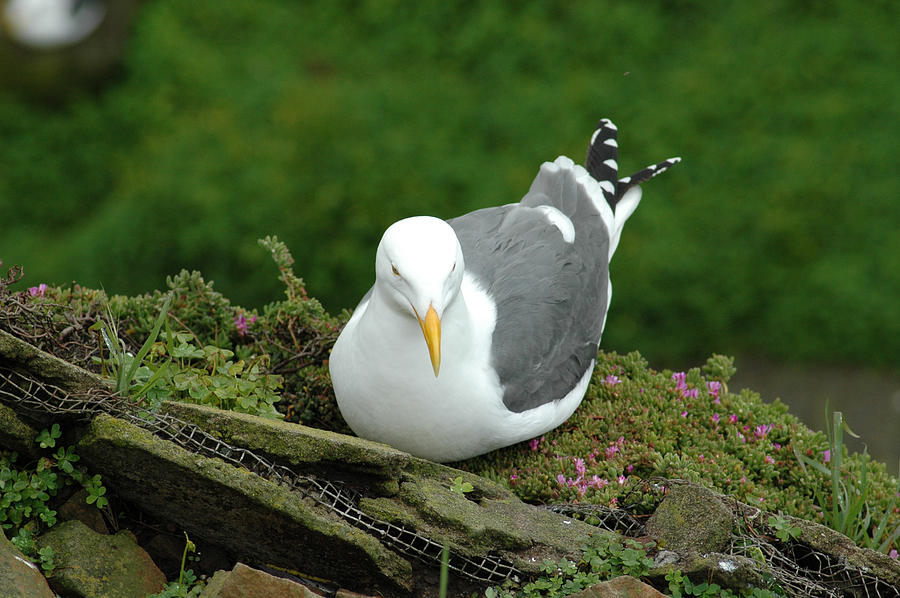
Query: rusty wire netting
[[803, 571], [25, 393], [613, 520]]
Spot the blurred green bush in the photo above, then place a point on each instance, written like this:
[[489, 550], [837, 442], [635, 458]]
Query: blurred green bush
[[323, 122]]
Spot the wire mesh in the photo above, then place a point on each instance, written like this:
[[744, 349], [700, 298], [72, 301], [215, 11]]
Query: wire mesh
[[24, 392], [802, 571], [613, 520]]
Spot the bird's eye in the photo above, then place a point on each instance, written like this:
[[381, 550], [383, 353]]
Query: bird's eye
[[395, 270]]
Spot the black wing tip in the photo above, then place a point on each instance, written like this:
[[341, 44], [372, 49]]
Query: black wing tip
[[642, 176], [603, 154]]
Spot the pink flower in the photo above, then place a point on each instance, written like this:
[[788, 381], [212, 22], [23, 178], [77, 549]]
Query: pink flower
[[612, 380], [580, 486], [679, 379], [240, 322], [611, 451], [690, 393], [561, 479], [770, 460], [38, 291], [762, 430], [893, 554], [715, 418], [827, 455], [598, 482], [621, 479], [580, 469], [684, 414], [732, 419], [713, 388], [514, 477], [630, 468], [534, 443]]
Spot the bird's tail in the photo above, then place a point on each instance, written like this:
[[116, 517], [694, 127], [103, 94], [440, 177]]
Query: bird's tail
[[568, 188], [622, 195]]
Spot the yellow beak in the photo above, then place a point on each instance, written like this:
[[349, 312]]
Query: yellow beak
[[431, 328]]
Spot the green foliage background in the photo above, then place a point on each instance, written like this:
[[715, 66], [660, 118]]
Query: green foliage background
[[323, 122]]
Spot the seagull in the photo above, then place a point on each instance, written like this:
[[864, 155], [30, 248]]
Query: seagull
[[51, 24], [482, 331]]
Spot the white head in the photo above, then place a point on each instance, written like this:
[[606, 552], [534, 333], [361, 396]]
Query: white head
[[418, 271]]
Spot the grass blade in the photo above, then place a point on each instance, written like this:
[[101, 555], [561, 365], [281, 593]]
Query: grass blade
[[145, 348]]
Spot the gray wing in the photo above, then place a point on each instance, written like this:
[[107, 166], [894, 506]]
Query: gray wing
[[551, 296]]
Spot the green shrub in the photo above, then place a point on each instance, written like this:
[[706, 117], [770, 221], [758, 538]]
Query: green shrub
[[636, 425]]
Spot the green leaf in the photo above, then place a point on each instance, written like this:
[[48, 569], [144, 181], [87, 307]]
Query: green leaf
[[145, 348]]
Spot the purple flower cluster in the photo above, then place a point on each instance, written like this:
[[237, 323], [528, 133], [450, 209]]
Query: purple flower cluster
[[581, 483], [38, 291], [612, 380], [761, 430], [242, 324]]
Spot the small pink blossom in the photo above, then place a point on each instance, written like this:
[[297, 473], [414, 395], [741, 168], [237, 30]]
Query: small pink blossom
[[613, 501], [621, 479], [762, 430], [713, 388], [580, 469], [893, 554], [611, 451], [612, 380], [770, 460], [679, 379], [581, 486], [630, 468], [241, 323], [561, 479], [535, 442], [38, 291], [715, 418], [684, 414], [598, 482], [827, 455], [690, 393], [514, 477], [732, 419]]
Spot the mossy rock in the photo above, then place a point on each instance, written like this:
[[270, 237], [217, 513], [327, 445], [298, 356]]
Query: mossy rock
[[251, 517], [99, 565], [691, 519], [15, 434]]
